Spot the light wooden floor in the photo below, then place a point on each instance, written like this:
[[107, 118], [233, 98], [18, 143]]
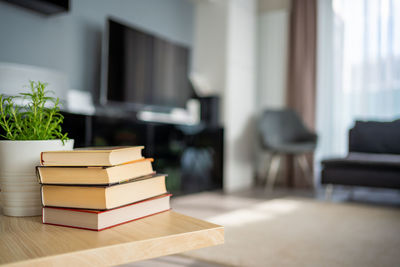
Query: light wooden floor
[[208, 204]]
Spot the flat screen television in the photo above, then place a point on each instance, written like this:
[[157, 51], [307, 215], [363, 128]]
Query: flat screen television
[[143, 70]]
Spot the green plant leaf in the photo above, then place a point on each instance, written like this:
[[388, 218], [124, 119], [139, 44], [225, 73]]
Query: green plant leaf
[[34, 120]]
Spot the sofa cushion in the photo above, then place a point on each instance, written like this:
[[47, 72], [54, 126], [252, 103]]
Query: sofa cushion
[[365, 159], [375, 137], [362, 176]]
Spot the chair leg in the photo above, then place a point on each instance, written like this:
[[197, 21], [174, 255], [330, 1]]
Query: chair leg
[[305, 168], [328, 192], [273, 172], [264, 177]]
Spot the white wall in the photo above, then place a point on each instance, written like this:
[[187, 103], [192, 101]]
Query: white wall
[[240, 95], [272, 56], [224, 54], [272, 49], [71, 42], [243, 51], [209, 43]]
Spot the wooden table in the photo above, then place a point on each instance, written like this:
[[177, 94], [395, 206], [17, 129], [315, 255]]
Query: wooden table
[[26, 241]]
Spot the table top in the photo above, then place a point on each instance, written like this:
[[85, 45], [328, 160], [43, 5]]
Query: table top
[[25, 241]]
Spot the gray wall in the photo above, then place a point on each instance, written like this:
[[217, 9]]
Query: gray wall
[[71, 42]]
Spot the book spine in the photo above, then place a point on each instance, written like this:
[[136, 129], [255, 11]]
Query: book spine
[[41, 159], [38, 176], [41, 194]]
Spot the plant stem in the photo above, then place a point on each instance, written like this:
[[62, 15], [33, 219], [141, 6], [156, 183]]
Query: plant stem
[[4, 118]]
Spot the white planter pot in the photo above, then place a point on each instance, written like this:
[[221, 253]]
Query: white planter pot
[[20, 189]]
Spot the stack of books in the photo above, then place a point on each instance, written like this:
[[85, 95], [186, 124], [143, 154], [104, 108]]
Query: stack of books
[[98, 188]]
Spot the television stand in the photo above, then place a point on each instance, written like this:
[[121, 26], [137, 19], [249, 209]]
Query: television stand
[[192, 156]]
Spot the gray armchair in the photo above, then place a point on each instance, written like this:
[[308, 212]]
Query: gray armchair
[[283, 133]]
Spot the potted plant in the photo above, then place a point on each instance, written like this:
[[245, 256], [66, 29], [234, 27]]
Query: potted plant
[[31, 123]]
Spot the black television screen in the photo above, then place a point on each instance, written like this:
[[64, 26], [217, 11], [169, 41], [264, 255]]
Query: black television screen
[[145, 70]]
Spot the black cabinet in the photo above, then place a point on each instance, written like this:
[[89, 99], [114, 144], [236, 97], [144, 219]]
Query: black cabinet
[[192, 156]]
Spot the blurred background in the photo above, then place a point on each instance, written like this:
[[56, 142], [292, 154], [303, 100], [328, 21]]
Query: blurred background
[[259, 111]]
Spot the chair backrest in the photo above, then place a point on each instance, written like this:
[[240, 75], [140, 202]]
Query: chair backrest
[[375, 137], [281, 126]]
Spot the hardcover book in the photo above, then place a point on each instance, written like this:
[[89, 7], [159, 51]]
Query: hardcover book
[[92, 156], [103, 175], [103, 197], [100, 220]]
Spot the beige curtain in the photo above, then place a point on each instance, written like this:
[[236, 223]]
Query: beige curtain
[[301, 90]]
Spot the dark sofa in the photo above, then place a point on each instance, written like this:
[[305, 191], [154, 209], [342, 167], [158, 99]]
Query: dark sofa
[[373, 159]]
